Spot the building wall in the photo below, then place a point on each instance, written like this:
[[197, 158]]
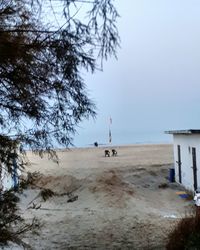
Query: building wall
[[186, 143]]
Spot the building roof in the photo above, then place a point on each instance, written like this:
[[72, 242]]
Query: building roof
[[183, 132]]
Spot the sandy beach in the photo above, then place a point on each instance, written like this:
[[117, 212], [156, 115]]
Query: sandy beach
[[118, 202]]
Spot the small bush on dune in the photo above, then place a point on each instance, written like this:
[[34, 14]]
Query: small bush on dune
[[29, 180], [163, 185], [46, 194], [186, 234]]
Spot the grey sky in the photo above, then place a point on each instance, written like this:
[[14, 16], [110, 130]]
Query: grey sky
[[154, 84]]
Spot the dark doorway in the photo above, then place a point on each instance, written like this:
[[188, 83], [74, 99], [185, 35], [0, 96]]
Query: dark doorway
[[194, 166], [179, 163]]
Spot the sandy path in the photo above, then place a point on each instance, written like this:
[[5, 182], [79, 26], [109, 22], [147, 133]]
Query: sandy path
[[119, 205]]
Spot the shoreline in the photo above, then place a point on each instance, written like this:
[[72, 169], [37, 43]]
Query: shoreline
[[113, 146]]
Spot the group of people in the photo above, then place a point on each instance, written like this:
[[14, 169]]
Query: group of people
[[107, 152]]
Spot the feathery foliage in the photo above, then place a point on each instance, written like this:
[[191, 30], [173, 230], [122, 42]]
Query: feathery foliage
[[42, 93]]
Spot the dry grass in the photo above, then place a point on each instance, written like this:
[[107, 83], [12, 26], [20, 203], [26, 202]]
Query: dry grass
[[115, 190], [163, 185], [153, 173], [111, 182], [46, 194], [186, 234], [29, 180]]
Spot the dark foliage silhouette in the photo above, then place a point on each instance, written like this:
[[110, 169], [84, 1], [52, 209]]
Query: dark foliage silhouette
[[43, 96]]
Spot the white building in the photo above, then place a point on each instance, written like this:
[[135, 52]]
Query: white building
[[187, 157]]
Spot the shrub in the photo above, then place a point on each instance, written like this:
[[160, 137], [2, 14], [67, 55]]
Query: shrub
[[186, 234], [46, 194]]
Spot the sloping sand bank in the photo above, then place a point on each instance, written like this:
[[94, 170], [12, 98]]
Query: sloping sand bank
[[122, 202]]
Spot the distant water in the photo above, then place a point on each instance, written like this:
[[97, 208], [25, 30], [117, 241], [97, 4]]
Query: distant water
[[85, 139]]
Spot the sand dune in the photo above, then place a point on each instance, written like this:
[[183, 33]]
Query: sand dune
[[119, 203]]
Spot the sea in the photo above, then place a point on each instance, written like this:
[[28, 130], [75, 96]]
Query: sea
[[120, 138]]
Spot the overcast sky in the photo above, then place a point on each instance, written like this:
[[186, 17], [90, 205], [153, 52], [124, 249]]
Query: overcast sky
[[154, 84]]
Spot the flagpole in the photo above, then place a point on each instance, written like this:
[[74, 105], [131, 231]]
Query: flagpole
[[110, 135]]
